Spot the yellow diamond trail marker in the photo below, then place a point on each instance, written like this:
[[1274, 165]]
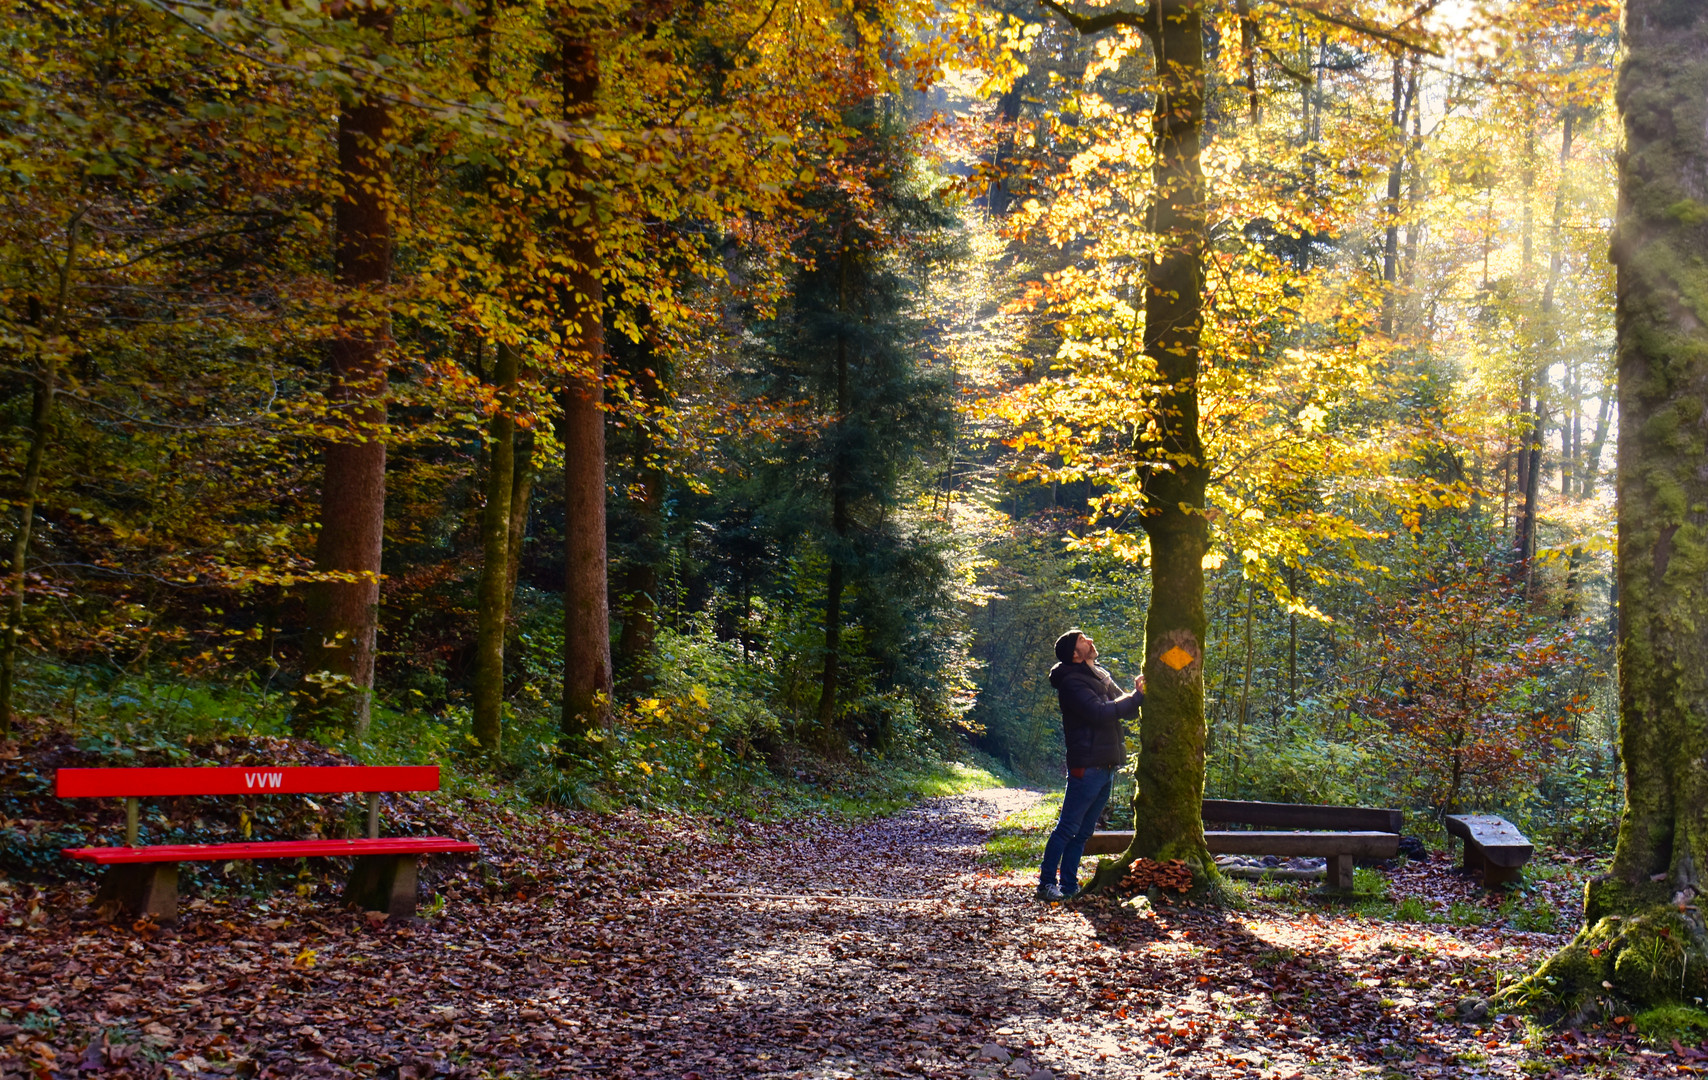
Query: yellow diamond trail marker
[[1177, 658]]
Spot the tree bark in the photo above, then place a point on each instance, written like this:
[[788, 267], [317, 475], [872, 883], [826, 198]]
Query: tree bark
[[1169, 788], [338, 661], [1644, 932], [586, 599], [521, 501], [637, 597], [828, 678], [493, 596], [494, 591], [1405, 92]]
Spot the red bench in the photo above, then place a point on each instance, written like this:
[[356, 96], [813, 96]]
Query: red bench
[[144, 880]]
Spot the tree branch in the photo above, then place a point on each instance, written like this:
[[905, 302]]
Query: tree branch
[[1093, 24], [1417, 43]]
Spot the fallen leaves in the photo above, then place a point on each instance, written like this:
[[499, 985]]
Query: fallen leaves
[[630, 946], [1145, 874]]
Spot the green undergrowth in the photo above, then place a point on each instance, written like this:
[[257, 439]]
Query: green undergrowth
[[694, 747]]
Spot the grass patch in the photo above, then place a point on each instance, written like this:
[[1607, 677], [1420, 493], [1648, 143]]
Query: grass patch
[[1463, 914], [861, 793], [1369, 884], [1663, 1024], [1018, 840], [1538, 916], [1412, 909]]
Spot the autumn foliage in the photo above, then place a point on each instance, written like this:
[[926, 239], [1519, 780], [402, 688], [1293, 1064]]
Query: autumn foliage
[[1480, 691]]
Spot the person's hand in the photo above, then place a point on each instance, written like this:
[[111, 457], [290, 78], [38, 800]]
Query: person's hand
[[1139, 683]]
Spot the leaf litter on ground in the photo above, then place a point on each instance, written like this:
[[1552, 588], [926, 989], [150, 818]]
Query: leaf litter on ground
[[631, 945]]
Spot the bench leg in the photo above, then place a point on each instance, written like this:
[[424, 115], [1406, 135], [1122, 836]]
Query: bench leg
[[383, 883], [140, 889], [1497, 876], [1474, 862], [1340, 872]]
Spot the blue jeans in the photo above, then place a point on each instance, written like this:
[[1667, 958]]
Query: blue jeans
[[1081, 807]]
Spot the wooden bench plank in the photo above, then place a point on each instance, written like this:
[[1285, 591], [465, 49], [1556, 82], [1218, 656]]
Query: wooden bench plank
[[1362, 844], [1292, 816], [1108, 843], [1500, 841], [249, 780], [272, 849], [1493, 846]]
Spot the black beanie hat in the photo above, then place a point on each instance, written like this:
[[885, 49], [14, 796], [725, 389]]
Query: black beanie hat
[[1066, 644]]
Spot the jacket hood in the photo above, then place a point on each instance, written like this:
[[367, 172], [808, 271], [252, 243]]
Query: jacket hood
[[1062, 671]]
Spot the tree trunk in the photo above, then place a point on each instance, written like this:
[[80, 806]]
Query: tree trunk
[[1405, 91], [586, 601], [833, 587], [1167, 797], [487, 720], [338, 662], [41, 414], [1644, 931], [494, 594], [638, 595]]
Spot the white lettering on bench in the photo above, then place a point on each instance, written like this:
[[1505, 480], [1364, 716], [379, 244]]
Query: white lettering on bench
[[263, 779]]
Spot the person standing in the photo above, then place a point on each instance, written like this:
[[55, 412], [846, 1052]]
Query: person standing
[[1092, 710]]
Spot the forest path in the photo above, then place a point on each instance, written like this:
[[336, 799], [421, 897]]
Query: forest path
[[634, 945], [892, 948]]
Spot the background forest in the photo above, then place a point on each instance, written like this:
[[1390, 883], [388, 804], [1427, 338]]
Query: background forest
[[650, 401]]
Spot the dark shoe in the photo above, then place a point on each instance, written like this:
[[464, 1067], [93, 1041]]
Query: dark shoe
[[1049, 893]]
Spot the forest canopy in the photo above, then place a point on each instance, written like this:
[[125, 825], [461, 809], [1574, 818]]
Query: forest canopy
[[645, 395]]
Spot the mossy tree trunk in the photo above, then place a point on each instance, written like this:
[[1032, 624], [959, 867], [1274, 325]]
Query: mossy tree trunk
[[1644, 940], [1169, 789]]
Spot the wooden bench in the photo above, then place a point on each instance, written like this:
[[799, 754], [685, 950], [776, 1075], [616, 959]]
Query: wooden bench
[[1493, 847], [144, 880], [1342, 834]]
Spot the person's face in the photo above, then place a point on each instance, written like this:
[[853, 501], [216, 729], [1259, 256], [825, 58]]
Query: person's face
[[1084, 650]]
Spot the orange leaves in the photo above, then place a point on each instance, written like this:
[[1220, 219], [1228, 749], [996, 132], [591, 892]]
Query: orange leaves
[[1146, 874]]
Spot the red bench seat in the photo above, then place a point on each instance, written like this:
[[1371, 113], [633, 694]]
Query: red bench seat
[[144, 879]]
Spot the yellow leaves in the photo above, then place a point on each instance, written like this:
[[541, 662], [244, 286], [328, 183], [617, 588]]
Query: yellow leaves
[[305, 959]]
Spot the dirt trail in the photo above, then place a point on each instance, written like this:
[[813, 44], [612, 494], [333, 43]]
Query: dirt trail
[[810, 951]]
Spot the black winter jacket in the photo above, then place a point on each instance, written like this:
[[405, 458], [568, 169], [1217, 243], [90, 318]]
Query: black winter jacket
[[1092, 711]]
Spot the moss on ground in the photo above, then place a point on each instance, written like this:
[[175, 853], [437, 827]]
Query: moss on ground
[[1655, 958]]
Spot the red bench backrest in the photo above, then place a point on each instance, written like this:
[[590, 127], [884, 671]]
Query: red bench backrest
[[248, 780]]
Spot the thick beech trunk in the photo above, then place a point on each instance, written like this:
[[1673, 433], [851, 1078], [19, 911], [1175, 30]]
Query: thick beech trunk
[[1169, 787], [1644, 939], [581, 428], [338, 660]]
